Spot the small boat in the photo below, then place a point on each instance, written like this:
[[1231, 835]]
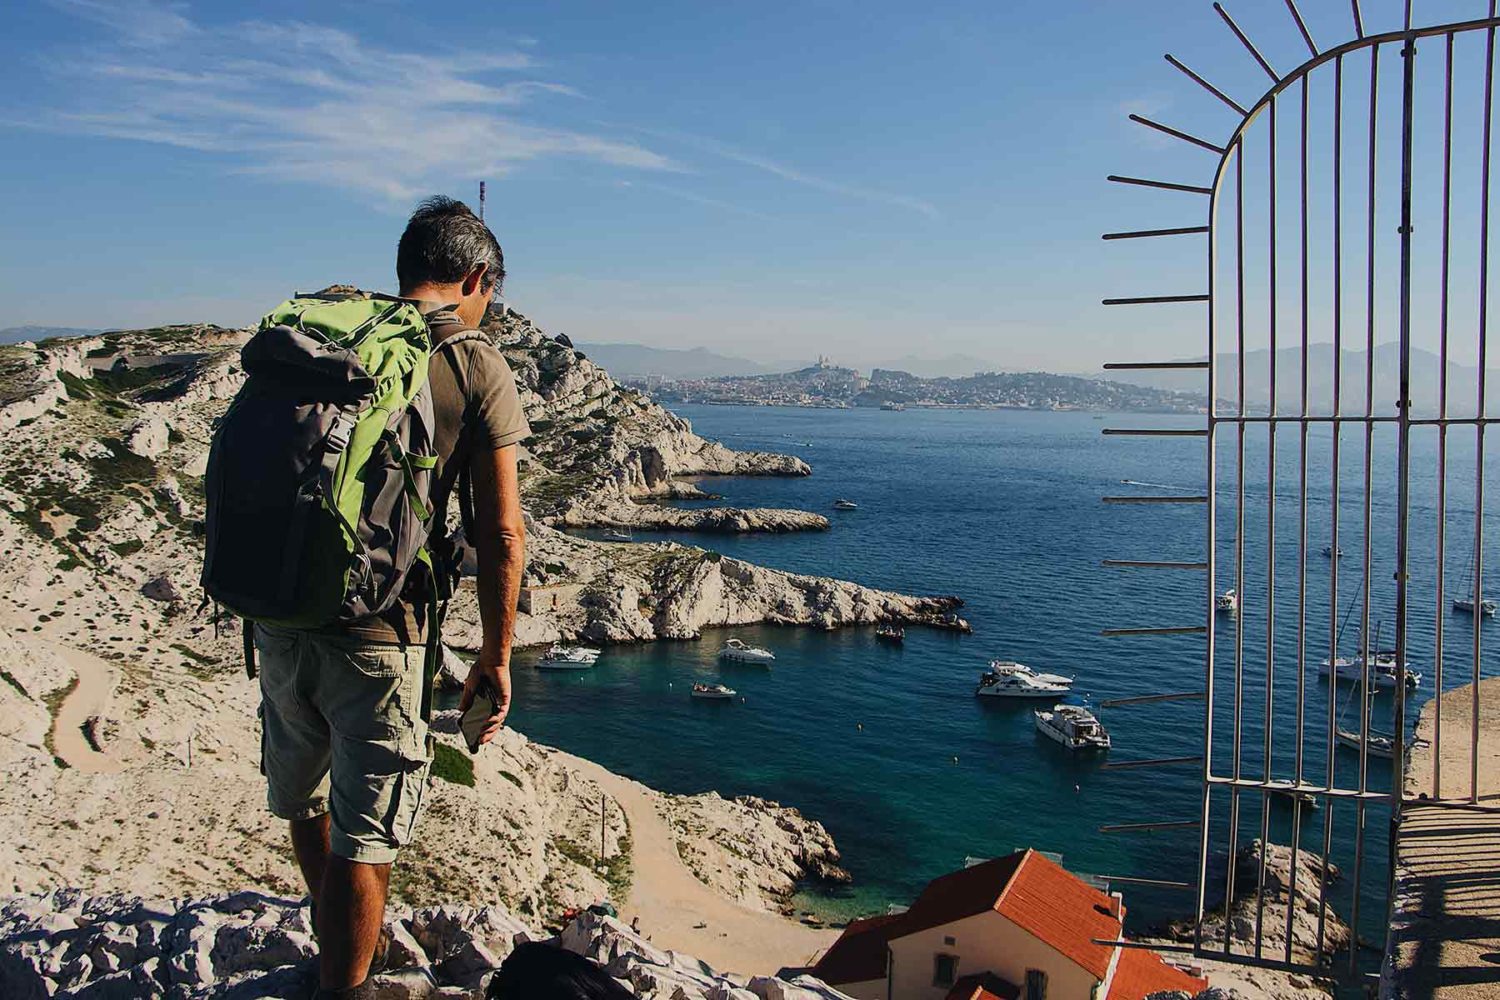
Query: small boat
[[1377, 745], [842, 504], [714, 692], [1227, 603], [1074, 726], [1329, 552], [1289, 797], [735, 649], [1008, 679], [1382, 669], [616, 535], [1487, 607], [561, 657], [894, 634]]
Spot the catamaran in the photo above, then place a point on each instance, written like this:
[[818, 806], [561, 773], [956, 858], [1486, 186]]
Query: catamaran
[[1008, 679], [1383, 671], [1074, 726], [737, 650], [561, 657], [1227, 603]]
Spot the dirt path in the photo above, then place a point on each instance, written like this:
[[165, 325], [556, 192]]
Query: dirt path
[[681, 913], [1447, 927], [89, 697]]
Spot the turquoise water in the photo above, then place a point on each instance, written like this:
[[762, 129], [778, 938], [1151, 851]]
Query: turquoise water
[[889, 748]]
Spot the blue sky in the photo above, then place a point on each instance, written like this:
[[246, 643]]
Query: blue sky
[[864, 180]]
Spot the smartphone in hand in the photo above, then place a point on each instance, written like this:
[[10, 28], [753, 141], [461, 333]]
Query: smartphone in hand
[[476, 718]]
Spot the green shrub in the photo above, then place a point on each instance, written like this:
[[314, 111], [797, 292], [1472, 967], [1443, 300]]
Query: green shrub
[[452, 765]]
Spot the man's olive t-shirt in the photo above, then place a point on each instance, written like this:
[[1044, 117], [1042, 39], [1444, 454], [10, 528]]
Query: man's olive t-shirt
[[474, 403]]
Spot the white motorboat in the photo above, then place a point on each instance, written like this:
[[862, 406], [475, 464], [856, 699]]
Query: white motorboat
[[561, 657], [1227, 603], [1074, 726], [1008, 679], [737, 650], [1328, 551], [842, 504], [1382, 669], [616, 535], [1487, 607], [714, 692]]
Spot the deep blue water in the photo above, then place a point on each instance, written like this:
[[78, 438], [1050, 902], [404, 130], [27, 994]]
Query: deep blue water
[[1003, 508]]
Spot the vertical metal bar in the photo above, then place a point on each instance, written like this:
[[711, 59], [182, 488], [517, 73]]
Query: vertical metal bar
[[1442, 429], [1333, 583], [1370, 646], [1239, 532], [1301, 544], [1484, 282], [1403, 451], [1270, 726], [1212, 575]]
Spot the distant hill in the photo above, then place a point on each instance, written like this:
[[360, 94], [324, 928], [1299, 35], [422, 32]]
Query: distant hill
[[1426, 369], [638, 360], [948, 366], [16, 334]]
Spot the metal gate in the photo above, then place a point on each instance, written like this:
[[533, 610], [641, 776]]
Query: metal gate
[[1348, 231]]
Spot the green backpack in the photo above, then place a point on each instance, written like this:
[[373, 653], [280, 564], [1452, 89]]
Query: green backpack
[[320, 475]]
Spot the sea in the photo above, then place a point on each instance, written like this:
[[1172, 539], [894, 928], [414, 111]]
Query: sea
[[912, 774]]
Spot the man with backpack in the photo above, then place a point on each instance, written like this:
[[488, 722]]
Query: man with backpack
[[327, 491]]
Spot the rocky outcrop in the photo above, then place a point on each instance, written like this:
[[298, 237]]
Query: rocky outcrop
[[765, 849], [253, 945], [1281, 893], [613, 593]]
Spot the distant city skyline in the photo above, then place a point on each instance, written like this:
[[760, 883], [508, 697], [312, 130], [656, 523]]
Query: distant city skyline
[[751, 180]]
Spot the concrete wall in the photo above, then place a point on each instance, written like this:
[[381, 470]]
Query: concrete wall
[[986, 942], [874, 989]]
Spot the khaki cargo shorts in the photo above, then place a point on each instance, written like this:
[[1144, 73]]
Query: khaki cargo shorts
[[342, 733]]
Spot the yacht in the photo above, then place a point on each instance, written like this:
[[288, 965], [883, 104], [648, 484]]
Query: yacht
[[891, 633], [1487, 607], [1074, 726], [736, 650], [561, 657], [842, 504], [1382, 669], [617, 535], [1227, 603], [1377, 745], [1008, 679], [713, 692]]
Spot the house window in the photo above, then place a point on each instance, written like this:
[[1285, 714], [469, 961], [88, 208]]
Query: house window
[[944, 969], [1036, 984], [950, 941]]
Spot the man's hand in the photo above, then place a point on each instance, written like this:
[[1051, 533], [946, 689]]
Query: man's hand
[[495, 671]]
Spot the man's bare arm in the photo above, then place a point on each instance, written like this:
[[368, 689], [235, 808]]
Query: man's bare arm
[[500, 541]]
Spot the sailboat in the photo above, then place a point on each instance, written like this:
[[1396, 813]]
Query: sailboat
[[1465, 604], [1375, 743]]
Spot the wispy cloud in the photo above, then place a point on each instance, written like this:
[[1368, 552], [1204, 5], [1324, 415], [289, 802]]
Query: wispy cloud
[[307, 102], [793, 174]]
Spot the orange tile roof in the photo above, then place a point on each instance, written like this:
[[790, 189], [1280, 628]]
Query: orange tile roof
[[859, 954], [983, 986], [1140, 972], [1062, 910]]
